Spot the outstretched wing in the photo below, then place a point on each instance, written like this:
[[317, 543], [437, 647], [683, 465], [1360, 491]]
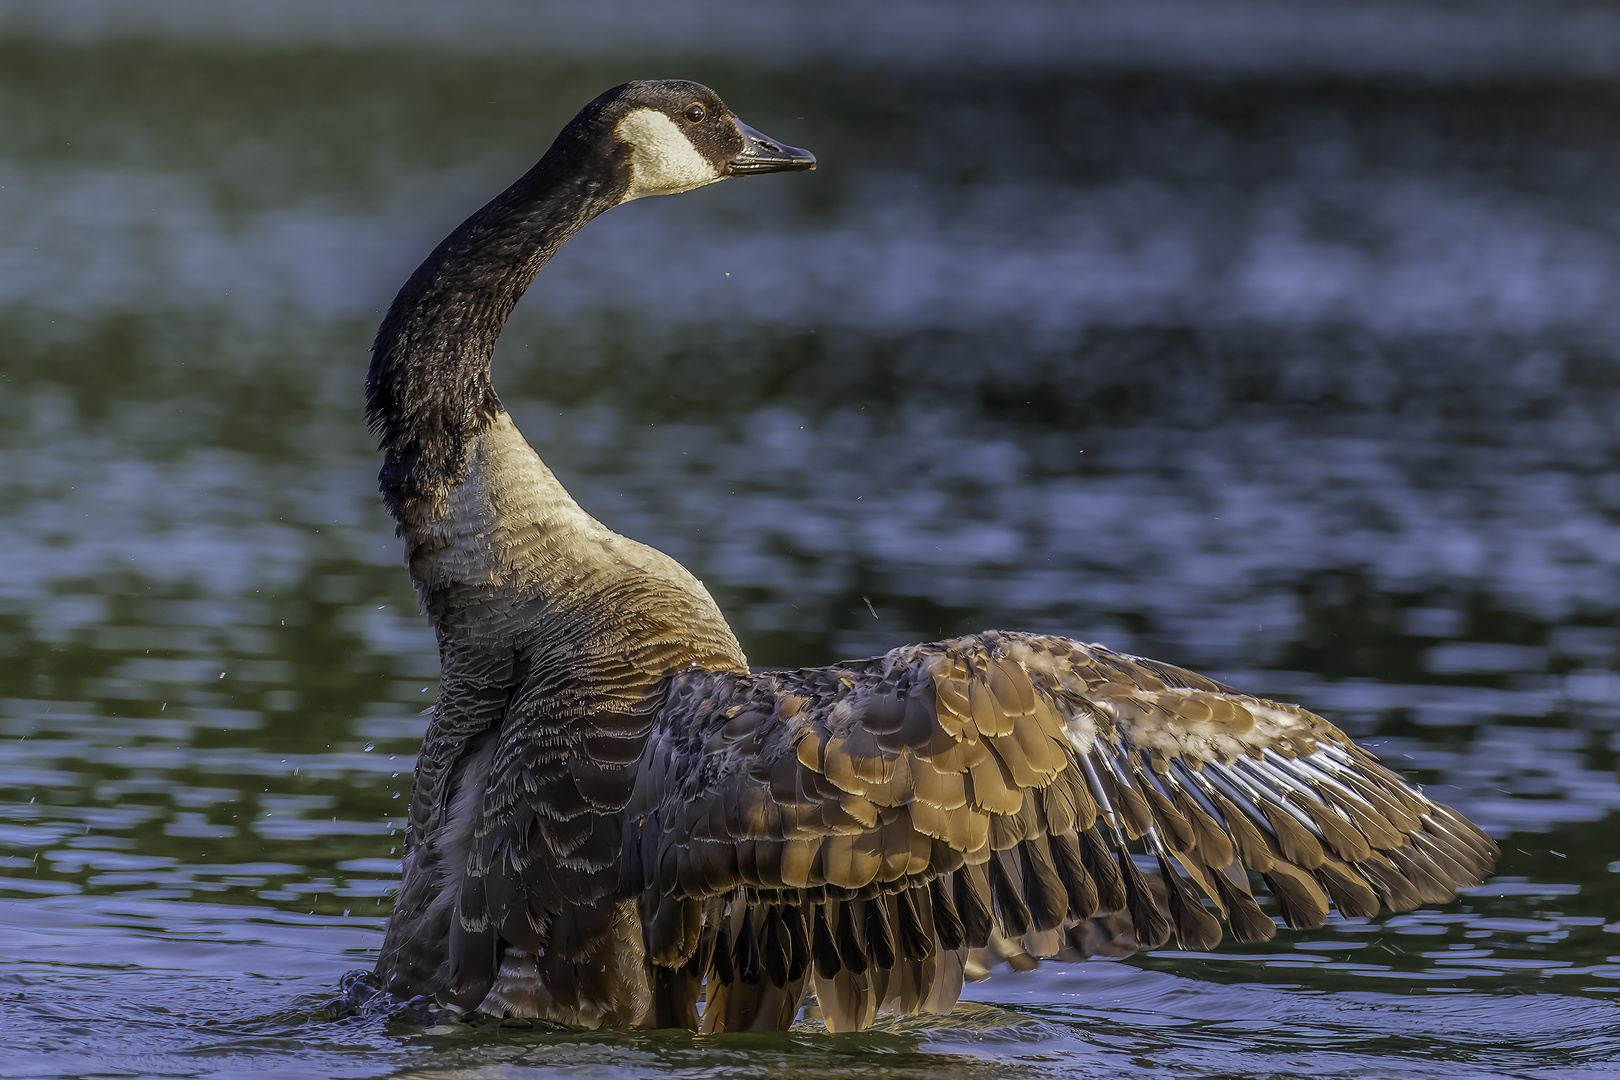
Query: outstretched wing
[[865, 824]]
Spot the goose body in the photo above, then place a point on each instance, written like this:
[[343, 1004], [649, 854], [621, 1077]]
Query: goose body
[[615, 823]]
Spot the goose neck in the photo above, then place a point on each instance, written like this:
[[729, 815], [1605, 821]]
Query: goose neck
[[428, 392]]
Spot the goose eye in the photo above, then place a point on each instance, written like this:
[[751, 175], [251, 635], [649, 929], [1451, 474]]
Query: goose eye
[[695, 113]]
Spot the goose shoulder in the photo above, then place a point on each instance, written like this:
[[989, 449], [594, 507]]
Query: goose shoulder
[[511, 526]]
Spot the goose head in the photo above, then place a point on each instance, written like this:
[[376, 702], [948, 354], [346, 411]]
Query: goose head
[[671, 135]]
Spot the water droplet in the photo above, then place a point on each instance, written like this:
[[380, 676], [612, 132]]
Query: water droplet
[[396, 795], [370, 747]]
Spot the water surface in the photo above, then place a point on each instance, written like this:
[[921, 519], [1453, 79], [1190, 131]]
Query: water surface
[[1308, 382]]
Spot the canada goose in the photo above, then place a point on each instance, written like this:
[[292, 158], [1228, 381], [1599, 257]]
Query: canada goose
[[614, 820]]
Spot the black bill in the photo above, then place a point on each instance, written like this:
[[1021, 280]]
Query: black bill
[[764, 155]]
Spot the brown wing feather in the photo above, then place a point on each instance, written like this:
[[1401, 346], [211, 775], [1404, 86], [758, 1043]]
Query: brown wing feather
[[913, 805]]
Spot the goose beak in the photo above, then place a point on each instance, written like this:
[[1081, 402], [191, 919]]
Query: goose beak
[[763, 155]]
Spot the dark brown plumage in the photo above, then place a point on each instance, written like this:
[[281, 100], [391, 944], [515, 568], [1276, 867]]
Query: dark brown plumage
[[614, 822]]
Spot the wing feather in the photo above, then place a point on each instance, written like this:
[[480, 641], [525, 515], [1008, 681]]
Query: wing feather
[[877, 820]]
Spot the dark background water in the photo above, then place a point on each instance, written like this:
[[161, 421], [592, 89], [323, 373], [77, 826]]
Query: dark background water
[[1275, 340]]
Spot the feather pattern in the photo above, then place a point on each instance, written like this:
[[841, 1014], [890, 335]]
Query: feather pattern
[[992, 789]]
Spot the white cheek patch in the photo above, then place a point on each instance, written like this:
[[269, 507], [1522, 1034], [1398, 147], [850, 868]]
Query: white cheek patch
[[663, 160]]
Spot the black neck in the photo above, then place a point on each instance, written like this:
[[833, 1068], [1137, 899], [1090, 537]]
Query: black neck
[[429, 389]]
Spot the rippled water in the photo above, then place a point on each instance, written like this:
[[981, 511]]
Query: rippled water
[[1306, 382]]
